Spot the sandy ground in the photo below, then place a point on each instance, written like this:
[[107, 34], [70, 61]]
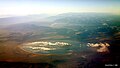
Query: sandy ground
[[11, 52]]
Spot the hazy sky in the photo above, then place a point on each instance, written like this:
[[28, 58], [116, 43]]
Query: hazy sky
[[29, 7]]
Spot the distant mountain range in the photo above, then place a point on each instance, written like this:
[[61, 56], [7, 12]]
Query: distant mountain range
[[66, 20], [21, 19]]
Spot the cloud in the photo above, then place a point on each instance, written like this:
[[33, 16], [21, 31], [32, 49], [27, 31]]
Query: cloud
[[100, 47]]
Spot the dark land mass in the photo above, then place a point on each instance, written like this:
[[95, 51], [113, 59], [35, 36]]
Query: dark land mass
[[80, 28]]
